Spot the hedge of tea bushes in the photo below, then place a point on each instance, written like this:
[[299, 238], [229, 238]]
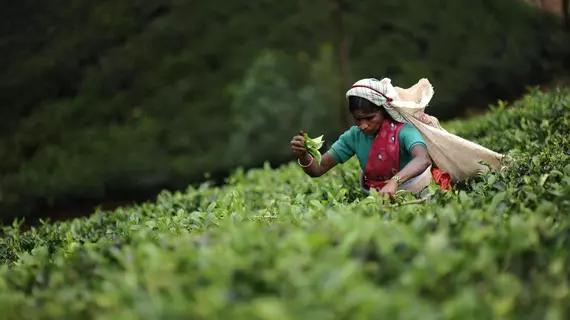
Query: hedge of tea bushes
[[109, 99], [276, 244]]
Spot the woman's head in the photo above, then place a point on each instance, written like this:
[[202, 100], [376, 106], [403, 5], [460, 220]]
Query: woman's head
[[368, 116], [366, 99]]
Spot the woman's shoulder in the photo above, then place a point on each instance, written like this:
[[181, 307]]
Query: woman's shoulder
[[409, 128], [410, 133], [351, 137], [352, 132]]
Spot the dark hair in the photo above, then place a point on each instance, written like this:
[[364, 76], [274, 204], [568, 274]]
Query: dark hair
[[359, 104]]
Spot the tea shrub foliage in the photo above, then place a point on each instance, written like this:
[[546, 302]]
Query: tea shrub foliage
[[277, 244]]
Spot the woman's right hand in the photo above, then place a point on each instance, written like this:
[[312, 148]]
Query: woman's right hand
[[298, 145]]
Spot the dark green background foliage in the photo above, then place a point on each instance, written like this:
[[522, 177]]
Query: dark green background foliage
[[277, 244], [130, 96]]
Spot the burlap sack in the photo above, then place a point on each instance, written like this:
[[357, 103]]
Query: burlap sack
[[459, 157]]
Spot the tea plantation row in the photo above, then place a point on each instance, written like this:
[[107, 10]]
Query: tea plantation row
[[276, 244]]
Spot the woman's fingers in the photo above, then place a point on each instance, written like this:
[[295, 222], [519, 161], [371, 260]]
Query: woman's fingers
[[387, 193], [298, 140], [297, 143]]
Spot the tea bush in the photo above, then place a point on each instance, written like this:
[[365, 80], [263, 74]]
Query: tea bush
[[276, 244]]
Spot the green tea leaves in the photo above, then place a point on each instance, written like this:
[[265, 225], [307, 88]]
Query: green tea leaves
[[272, 244], [313, 146]]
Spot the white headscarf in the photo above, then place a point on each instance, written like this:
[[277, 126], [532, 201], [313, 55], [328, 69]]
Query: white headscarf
[[383, 93]]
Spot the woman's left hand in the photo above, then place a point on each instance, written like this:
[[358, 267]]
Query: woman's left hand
[[389, 188]]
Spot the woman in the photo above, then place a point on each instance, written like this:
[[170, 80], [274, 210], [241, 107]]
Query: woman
[[392, 155]]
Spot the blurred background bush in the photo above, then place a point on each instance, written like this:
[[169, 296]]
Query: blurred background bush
[[112, 101]]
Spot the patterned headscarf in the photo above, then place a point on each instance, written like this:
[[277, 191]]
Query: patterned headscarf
[[379, 93]]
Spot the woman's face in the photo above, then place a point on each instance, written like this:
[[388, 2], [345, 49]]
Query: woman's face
[[369, 123]]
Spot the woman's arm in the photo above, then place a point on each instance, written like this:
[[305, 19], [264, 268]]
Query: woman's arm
[[316, 170], [420, 162], [341, 148]]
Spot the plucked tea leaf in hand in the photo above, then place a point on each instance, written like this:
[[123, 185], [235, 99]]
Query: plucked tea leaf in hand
[[313, 145]]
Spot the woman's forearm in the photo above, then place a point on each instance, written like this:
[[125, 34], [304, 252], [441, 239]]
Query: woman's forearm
[[315, 169], [414, 168]]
